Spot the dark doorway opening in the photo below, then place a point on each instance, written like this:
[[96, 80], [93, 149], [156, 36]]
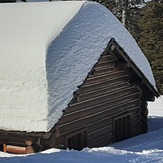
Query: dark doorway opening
[[77, 141], [122, 128], [1, 147]]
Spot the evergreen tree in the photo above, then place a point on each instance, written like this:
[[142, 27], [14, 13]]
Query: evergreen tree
[[145, 23], [150, 38], [127, 11]]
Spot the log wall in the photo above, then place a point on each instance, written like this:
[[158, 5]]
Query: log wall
[[110, 105], [104, 96]]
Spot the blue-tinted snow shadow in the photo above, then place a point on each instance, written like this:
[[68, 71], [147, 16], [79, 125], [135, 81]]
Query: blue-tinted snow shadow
[[75, 157], [155, 123], [99, 155], [149, 141]]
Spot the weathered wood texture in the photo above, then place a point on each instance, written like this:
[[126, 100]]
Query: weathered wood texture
[[105, 94]]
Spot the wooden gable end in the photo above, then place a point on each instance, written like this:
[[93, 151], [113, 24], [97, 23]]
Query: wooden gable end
[[106, 108], [110, 106]]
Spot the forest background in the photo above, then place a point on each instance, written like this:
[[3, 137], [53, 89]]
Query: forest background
[[144, 20]]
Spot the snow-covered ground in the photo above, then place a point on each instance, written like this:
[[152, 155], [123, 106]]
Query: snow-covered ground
[[144, 148]]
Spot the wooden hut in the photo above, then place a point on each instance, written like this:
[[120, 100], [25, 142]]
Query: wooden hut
[[87, 87]]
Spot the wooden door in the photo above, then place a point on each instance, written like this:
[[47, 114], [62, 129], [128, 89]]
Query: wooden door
[[122, 128], [77, 141]]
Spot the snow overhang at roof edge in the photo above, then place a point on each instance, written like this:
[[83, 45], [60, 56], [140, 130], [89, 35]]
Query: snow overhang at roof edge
[[136, 69]]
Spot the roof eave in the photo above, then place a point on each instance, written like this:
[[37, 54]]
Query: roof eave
[[133, 66]]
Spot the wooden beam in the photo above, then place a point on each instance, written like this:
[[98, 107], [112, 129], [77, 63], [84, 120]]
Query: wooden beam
[[29, 149], [15, 149], [123, 64], [4, 148], [139, 73]]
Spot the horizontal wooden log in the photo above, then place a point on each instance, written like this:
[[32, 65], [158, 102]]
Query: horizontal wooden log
[[105, 77], [105, 63], [8, 138], [111, 72], [104, 83], [15, 149], [71, 125], [135, 121], [92, 127], [131, 106], [119, 94], [136, 112], [100, 132], [101, 92], [106, 58], [86, 121], [103, 70], [2, 142], [111, 65], [101, 141], [81, 112], [136, 118]]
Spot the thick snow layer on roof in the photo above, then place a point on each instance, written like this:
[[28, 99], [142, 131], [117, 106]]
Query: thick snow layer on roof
[[46, 51], [26, 30]]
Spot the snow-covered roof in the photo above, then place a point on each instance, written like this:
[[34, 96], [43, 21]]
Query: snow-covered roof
[[46, 51]]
